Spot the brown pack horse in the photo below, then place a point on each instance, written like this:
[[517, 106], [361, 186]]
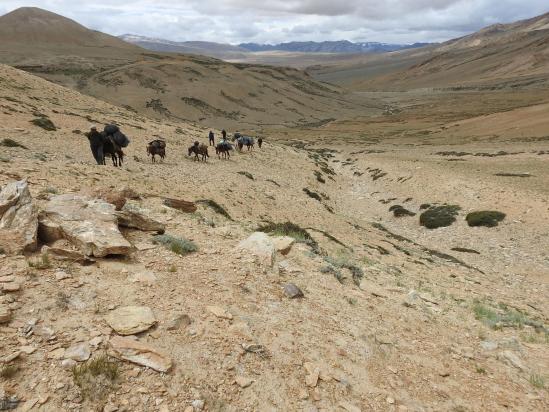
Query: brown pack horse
[[199, 150]]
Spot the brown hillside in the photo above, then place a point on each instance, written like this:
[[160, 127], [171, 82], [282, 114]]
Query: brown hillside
[[168, 85], [31, 25], [513, 55]]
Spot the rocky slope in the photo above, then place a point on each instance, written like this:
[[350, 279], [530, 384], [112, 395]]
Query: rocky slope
[[391, 318]]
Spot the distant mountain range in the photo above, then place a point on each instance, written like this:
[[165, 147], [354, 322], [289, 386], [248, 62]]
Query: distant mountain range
[[342, 46], [227, 51], [218, 50]]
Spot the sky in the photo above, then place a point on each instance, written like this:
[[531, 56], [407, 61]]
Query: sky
[[275, 21]]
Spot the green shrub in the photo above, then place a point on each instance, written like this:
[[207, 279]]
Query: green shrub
[[42, 263], [487, 218], [217, 208], [12, 143], [178, 246], [399, 211], [344, 261], [332, 270], [312, 194], [248, 175], [439, 216], [291, 230], [96, 378], [44, 123], [8, 371], [504, 316], [537, 381]]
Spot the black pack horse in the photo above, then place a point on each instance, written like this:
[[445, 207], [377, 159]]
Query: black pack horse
[[223, 149]]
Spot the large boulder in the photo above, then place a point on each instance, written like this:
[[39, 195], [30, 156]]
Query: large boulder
[[90, 224], [260, 245], [132, 216], [18, 219]]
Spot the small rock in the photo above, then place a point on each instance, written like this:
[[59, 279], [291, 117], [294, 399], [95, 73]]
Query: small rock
[[287, 267], [62, 275], [292, 291], [80, 352], [44, 332], [110, 408], [7, 278], [68, 363], [303, 394], [512, 359], [411, 299], [10, 358], [5, 313], [27, 349], [390, 400], [95, 342], [198, 404], [129, 320], [243, 382], [349, 407], [313, 374], [220, 312], [283, 244], [58, 354], [488, 345], [11, 287], [177, 322], [145, 276]]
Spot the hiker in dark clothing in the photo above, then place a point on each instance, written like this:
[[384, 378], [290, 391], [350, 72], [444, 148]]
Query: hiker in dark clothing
[[260, 142], [97, 140], [224, 134], [211, 138]]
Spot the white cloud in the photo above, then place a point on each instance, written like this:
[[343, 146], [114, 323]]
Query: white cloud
[[235, 21]]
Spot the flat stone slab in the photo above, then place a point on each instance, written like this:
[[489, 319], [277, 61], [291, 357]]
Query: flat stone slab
[[129, 320], [139, 353]]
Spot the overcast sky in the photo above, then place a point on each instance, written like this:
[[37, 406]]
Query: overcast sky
[[273, 21]]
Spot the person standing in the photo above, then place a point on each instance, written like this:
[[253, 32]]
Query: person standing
[[224, 134], [211, 138], [96, 145]]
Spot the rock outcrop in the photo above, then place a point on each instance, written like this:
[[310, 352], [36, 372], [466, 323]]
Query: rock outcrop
[[18, 219], [90, 224], [132, 216], [260, 245], [283, 244]]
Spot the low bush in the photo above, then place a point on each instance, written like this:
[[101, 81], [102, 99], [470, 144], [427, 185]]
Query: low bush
[[177, 245], [291, 230], [312, 194], [96, 378], [399, 211], [44, 123], [486, 218], [248, 175], [217, 208], [12, 143], [439, 216]]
